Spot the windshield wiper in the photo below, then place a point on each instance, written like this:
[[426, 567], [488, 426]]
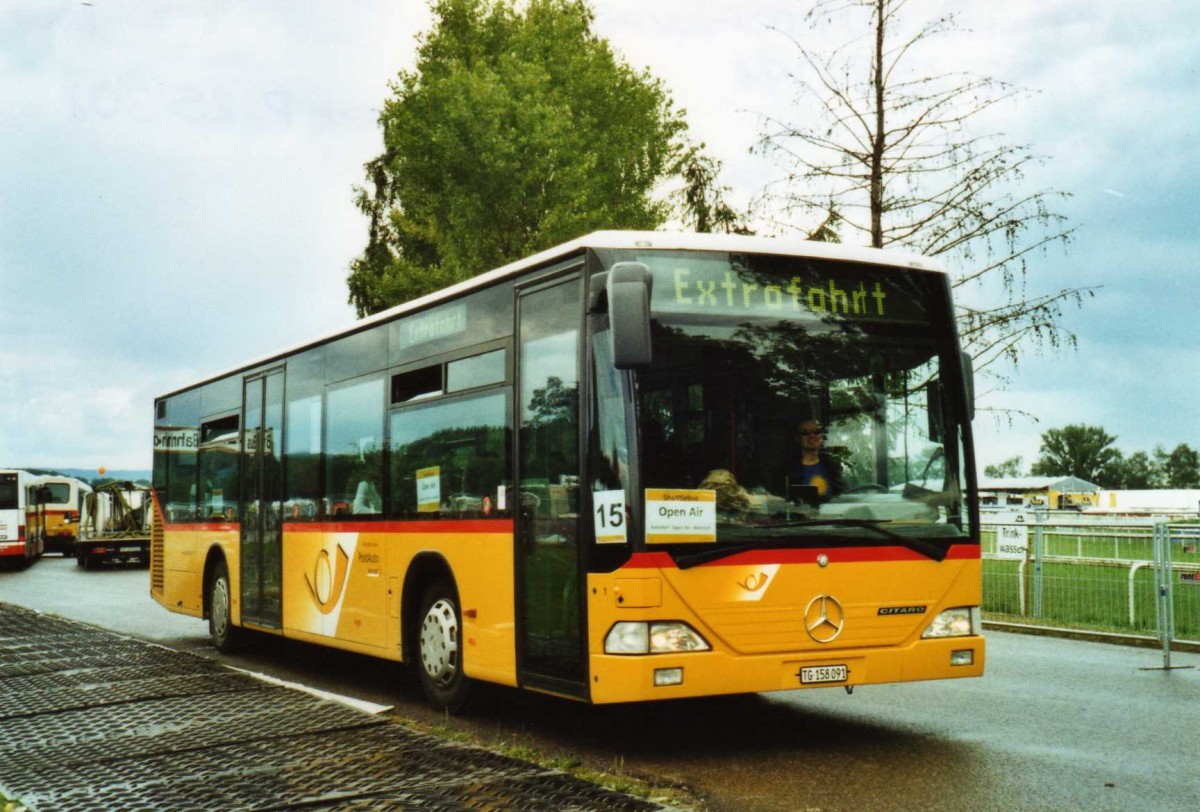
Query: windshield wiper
[[686, 562], [916, 545], [921, 546]]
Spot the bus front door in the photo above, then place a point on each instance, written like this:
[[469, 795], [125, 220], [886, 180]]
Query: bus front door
[[550, 653], [262, 501]]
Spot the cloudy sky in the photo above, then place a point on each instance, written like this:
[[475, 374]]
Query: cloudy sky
[[177, 190]]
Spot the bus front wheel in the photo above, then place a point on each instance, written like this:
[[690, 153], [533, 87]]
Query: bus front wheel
[[225, 635], [440, 646]]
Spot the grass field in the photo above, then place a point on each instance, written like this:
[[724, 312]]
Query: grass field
[[1086, 583]]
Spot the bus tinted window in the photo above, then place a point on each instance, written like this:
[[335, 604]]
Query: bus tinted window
[[450, 458], [303, 435], [356, 354], [176, 439], [56, 493], [476, 371], [444, 328], [8, 492], [221, 396], [219, 448], [354, 448]]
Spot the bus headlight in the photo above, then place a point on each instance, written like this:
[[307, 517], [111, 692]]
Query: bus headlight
[[659, 637], [959, 622], [669, 637]]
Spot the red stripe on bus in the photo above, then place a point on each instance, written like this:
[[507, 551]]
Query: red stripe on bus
[[201, 527], [460, 526], [661, 560], [449, 526]]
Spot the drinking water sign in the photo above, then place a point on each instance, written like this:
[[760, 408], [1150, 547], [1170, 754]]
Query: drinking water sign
[[1012, 535]]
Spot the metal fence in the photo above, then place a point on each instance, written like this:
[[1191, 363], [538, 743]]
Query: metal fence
[[1115, 576]]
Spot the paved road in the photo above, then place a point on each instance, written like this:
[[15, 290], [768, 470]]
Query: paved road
[[1053, 725]]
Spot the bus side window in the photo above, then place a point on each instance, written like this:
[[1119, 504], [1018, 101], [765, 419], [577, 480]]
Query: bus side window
[[450, 457], [218, 468], [353, 442]]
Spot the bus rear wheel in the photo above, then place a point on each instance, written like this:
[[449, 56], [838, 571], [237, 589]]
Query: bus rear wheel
[[225, 636], [440, 664]]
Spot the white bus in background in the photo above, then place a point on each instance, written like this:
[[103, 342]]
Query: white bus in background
[[17, 546]]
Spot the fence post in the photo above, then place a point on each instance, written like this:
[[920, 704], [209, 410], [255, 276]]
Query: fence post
[[1167, 595], [1160, 592], [1163, 592], [1038, 555]]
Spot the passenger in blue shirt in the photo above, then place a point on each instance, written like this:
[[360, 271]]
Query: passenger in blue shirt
[[817, 468]]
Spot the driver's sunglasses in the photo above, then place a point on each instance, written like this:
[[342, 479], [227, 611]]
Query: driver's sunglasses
[[811, 432]]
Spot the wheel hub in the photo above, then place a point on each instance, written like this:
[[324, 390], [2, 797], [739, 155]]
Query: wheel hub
[[439, 642], [220, 606]]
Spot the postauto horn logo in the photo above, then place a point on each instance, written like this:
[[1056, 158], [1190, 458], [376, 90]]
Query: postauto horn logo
[[328, 579]]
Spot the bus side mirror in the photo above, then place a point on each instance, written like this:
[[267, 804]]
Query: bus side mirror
[[629, 286], [968, 373]]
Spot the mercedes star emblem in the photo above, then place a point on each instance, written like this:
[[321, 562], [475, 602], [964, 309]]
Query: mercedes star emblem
[[824, 618]]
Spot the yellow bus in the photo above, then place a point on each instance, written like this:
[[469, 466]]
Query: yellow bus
[[56, 506], [585, 474]]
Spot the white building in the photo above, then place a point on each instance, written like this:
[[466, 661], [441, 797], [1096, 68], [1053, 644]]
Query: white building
[[1152, 502], [1054, 492]]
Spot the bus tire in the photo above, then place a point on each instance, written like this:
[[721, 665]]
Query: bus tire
[[439, 649], [225, 636]]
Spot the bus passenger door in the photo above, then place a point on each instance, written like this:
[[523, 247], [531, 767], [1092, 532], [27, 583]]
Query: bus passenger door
[[262, 501], [550, 622]]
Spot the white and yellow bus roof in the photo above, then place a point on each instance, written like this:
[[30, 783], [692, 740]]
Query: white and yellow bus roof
[[656, 240]]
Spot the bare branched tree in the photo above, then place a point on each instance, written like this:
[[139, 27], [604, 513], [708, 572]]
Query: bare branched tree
[[889, 153]]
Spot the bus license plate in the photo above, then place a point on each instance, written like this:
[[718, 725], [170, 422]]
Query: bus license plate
[[130, 550], [814, 674]]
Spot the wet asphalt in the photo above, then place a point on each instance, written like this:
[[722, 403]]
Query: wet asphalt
[[1054, 724]]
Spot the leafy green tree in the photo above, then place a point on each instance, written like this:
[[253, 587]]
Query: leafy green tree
[[518, 129], [1140, 472], [897, 153], [1083, 451], [1181, 469], [1010, 467]]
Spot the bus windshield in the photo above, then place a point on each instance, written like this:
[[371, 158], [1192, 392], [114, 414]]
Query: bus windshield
[[55, 493], [809, 397], [9, 493]]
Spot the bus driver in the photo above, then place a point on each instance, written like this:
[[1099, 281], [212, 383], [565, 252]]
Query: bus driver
[[818, 469]]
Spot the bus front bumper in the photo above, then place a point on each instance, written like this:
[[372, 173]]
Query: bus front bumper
[[638, 678]]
